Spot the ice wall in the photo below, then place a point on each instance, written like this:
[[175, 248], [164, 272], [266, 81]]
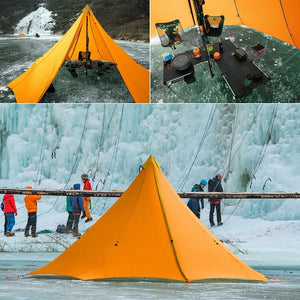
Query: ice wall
[[51, 145], [39, 21]]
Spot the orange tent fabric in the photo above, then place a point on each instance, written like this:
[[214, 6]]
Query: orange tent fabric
[[279, 19], [149, 232], [32, 84]]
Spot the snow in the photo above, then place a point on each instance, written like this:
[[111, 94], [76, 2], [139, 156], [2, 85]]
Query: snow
[[39, 21]]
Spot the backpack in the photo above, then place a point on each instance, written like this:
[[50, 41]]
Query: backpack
[[211, 185], [61, 229], [2, 206], [196, 188]]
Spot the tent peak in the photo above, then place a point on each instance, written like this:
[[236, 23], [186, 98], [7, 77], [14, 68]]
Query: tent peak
[[86, 7], [152, 161]]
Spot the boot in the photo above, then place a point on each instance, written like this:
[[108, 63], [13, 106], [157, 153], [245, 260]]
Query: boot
[[33, 232], [76, 234], [26, 233], [83, 216], [34, 235], [88, 220], [220, 223], [9, 233], [212, 224]]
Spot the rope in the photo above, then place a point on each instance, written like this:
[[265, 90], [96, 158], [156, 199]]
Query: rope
[[236, 111], [76, 159], [237, 10], [208, 124], [41, 160], [264, 148], [286, 23], [114, 156]]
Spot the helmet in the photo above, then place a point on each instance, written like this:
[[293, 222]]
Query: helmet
[[84, 176], [203, 181], [219, 176]]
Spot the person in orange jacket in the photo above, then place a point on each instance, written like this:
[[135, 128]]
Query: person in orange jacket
[[31, 205], [86, 200]]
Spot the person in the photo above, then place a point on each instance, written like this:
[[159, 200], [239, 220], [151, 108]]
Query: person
[[69, 209], [5, 219], [86, 200], [214, 185], [10, 212], [31, 205], [77, 207], [193, 203]]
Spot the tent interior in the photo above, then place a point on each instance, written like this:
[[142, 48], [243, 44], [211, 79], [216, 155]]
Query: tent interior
[[239, 69]]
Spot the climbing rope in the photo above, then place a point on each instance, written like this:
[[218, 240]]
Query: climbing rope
[[41, 159], [204, 135]]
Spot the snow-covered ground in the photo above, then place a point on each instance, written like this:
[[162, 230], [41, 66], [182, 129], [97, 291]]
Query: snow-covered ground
[[257, 242]]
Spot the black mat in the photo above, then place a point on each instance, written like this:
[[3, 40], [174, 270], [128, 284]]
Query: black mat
[[235, 72]]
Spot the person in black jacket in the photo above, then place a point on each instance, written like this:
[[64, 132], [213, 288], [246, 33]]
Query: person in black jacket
[[193, 203], [214, 185]]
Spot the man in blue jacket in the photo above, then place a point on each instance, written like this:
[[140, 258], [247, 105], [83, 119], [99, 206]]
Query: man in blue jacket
[[193, 203], [77, 207]]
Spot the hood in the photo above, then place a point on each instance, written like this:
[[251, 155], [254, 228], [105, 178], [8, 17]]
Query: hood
[[6, 196], [76, 186]]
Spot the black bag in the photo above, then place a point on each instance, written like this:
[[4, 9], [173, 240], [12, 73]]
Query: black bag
[[2, 206], [240, 54]]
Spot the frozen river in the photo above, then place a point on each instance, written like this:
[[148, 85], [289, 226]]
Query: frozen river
[[13, 285]]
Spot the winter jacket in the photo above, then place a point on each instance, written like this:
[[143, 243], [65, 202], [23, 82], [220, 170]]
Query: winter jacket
[[69, 206], [193, 203], [9, 204], [87, 185], [30, 201], [214, 185], [76, 201]]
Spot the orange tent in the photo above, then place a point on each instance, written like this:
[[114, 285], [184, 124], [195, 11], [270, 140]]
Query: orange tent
[[149, 232], [32, 85], [279, 19]]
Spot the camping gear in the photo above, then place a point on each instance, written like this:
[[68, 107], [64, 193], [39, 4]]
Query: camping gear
[[85, 35], [279, 19], [257, 52], [240, 54], [181, 62], [149, 233], [170, 33]]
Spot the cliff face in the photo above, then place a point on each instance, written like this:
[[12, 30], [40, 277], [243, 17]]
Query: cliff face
[[120, 18]]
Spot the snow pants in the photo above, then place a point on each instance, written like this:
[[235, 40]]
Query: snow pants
[[31, 223], [76, 215], [86, 201], [211, 213], [10, 219], [70, 221]]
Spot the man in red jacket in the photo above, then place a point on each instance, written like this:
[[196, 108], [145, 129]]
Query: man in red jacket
[[86, 200], [10, 212]]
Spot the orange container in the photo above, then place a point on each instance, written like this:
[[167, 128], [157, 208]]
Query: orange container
[[217, 55], [197, 53]]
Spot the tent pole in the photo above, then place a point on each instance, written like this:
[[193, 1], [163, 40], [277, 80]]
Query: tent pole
[[198, 5], [87, 42]]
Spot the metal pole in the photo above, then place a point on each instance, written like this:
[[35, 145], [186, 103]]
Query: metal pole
[[224, 195]]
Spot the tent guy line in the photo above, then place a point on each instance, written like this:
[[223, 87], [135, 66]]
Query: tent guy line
[[226, 195]]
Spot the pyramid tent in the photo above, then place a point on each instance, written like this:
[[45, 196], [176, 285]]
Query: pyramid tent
[[149, 232], [85, 34], [279, 19]]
